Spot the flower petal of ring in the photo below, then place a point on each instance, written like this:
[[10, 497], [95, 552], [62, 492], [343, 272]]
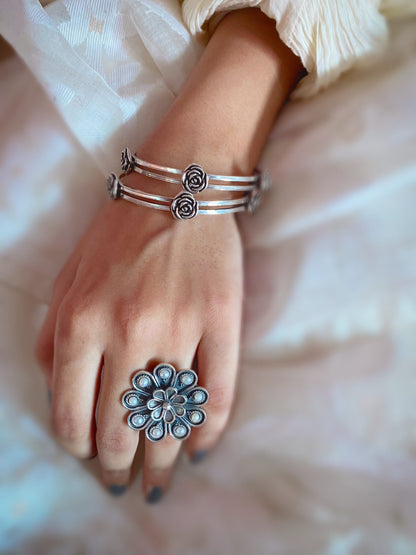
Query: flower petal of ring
[[165, 402]]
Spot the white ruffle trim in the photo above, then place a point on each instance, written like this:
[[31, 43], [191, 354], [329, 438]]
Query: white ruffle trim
[[329, 36]]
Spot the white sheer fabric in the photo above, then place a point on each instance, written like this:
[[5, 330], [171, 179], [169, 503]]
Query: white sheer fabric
[[111, 67]]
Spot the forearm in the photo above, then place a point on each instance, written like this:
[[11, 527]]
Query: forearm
[[222, 117]]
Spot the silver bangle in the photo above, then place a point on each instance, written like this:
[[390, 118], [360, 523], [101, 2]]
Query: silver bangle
[[193, 178], [183, 206]]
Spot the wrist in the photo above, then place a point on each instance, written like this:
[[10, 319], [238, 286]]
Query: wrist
[[181, 140], [168, 149], [185, 192], [150, 222], [224, 112]]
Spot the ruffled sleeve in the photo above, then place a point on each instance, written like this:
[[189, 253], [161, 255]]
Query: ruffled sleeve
[[329, 36]]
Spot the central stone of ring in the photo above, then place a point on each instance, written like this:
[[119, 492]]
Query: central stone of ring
[[166, 406]]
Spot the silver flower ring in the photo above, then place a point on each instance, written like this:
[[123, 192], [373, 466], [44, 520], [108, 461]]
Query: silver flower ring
[[165, 402], [194, 179]]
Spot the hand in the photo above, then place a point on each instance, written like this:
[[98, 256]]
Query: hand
[[141, 288]]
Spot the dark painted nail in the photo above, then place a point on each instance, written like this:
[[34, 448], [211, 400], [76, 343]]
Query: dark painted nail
[[155, 495], [49, 396], [116, 490], [198, 455]]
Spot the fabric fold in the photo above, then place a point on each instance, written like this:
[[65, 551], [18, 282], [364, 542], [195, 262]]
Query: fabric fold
[[111, 68], [330, 36]]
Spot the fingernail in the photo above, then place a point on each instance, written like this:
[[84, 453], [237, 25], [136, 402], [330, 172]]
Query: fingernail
[[155, 494], [49, 396], [116, 490], [198, 455]]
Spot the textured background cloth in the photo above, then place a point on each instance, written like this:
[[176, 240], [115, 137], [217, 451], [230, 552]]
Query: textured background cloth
[[320, 454]]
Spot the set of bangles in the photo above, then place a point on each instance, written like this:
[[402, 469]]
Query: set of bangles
[[193, 180]]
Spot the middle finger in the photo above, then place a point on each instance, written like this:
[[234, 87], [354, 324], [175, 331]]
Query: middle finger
[[160, 457], [116, 441]]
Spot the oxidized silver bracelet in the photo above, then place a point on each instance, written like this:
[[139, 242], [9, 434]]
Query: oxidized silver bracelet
[[193, 178], [183, 206]]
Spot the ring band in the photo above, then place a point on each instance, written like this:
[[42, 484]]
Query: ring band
[[165, 402]]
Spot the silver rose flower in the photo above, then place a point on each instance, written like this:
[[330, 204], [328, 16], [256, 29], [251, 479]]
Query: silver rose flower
[[194, 179], [165, 402], [184, 206], [113, 186], [253, 201], [127, 161], [265, 181]]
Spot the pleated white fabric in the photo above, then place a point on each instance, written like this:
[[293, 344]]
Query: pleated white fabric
[[329, 36]]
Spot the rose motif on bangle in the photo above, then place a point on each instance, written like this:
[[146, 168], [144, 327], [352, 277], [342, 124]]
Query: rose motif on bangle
[[194, 179], [265, 182], [253, 202], [127, 161], [113, 186], [184, 206], [165, 402]]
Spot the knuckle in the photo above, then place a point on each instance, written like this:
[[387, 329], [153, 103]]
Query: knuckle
[[60, 281], [44, 351], [76, 316], [130, 330], [185, 318], [113, 442], [220, 402], [182, 329], [175, 334], [68, 426], [130, 321], [136, 320], [154, 321], [224, 307]]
